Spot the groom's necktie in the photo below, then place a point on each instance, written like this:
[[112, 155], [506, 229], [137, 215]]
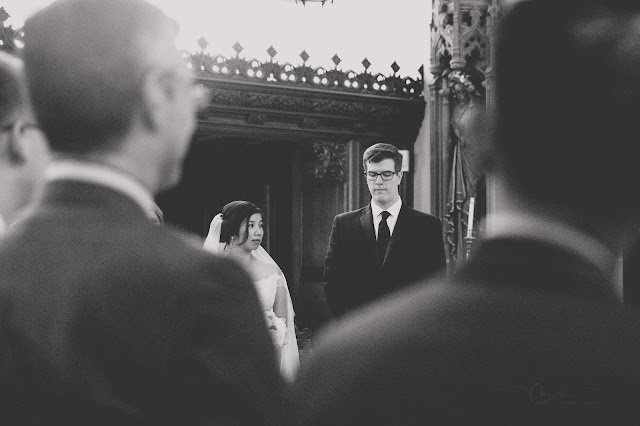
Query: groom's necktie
[[384, 235]]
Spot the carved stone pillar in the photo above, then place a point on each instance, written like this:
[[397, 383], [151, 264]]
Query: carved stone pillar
[[461, 58]]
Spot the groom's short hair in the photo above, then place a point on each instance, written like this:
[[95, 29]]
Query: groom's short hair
[[382, 151]]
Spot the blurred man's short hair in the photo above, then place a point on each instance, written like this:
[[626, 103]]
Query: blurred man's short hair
[[86, 61], [567, 128]]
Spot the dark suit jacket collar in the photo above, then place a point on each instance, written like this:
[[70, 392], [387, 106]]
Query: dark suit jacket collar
[[535, 227], [402, 225], [517, 262], [79, 196], [104, 175], [366, 221]]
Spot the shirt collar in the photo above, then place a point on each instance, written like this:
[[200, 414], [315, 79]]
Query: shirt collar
[[394, 210], [3, 225], [102, 175], [560, 234]]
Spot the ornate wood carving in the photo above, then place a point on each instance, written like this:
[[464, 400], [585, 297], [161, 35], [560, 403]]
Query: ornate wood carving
[[274, 111], [303, 103], [267, 100], [331, 159], [241, 69], [254, 118]]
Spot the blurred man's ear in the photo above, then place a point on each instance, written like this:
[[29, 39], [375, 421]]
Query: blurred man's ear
[[155, 94], [13, 147]]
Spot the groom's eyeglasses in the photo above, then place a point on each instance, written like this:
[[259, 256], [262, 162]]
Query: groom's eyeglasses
[[383, 175]]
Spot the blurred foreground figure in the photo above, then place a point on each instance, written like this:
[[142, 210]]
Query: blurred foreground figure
[[531, 329], [105, 317], [23, 148]]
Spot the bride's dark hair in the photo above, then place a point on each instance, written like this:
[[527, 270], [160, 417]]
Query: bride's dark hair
[[233, 214]]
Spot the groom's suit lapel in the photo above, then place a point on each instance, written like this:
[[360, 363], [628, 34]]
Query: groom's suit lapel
[[366, 223]]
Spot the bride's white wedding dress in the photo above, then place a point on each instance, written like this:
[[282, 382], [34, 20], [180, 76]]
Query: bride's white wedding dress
[[267, 289]]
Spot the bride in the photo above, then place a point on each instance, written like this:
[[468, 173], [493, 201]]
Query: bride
[[237, 232]]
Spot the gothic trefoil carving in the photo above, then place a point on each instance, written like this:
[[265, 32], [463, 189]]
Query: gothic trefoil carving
[[459, 36]]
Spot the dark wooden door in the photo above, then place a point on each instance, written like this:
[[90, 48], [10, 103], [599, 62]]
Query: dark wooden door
[[222, 170]]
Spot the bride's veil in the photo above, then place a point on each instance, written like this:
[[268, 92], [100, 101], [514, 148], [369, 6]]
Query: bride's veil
[[212, 243], [290, 360]]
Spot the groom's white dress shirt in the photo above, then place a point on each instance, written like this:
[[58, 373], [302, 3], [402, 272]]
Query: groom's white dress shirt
[[394, 211]]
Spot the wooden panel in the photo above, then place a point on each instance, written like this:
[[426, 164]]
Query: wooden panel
[[320, 205]]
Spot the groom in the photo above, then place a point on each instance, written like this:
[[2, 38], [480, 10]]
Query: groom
[[384, 246]]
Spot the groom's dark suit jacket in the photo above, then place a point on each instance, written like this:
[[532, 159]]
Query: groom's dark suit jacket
[[354, 274], [526, 333], [107, 318]]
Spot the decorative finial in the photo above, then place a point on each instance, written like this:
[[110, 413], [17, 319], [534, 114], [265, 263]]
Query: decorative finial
[[238, 48], [271, 51], [202, 42], [3, 14], [305, 56]]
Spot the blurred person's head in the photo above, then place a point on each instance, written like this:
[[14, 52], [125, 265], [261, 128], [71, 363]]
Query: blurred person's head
[[23, 148], [567, 107], [382, 168], [109, 85]]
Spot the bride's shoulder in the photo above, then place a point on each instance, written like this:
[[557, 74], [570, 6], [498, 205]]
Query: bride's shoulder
[[264, 269]]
